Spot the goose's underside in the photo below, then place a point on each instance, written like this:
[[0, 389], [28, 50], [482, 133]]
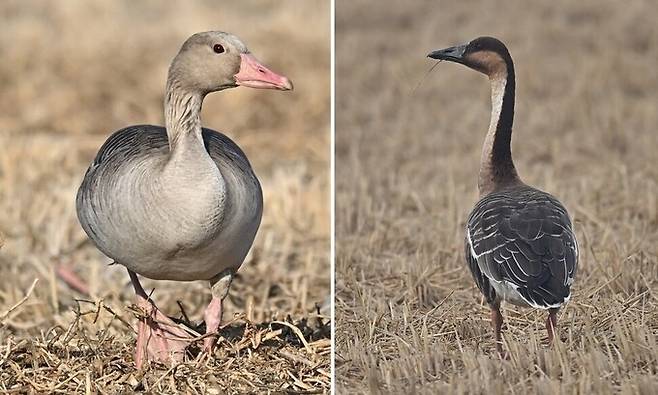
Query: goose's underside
[[520, 248]]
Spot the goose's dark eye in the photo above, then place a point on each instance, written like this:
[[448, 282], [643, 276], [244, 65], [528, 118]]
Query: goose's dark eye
[[218, 48]]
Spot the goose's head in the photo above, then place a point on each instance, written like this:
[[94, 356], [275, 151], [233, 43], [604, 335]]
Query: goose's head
[[487, 55], [212, 61]]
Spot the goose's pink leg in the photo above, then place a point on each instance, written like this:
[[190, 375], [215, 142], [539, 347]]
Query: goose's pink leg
[[213, 314], [497, 324], [551, 324], [213, 317], [66, 274], [158, 337]]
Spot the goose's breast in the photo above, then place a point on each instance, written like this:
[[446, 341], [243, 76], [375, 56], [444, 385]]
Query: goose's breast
[[210, 230], [225, 249], [187, 222]]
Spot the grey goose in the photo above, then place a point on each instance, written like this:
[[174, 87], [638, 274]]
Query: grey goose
[[520, 246], [179, 202]]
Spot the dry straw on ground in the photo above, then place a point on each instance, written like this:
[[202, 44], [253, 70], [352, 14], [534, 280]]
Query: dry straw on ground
[[71, 73], [409, 318]]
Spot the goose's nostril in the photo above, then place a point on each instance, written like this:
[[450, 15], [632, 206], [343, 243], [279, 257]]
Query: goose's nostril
[[261, 71]]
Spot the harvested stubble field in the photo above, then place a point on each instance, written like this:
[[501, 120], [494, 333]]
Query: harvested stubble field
[[409, 318], [71, 73]]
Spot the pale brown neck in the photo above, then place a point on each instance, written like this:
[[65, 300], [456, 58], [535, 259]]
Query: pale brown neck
[[182, 116], [496, 166]]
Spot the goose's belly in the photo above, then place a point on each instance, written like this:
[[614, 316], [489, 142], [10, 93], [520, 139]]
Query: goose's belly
[[226, 251]]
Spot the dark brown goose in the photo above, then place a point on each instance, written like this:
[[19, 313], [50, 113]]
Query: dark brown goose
[[520, 245], [179, 202]]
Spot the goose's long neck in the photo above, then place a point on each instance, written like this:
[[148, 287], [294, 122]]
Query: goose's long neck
[[191, 185], [182, 118], [496, 165]]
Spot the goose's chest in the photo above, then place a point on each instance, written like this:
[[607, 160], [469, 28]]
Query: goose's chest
[[189, 211], [204, 241], [146, 213]]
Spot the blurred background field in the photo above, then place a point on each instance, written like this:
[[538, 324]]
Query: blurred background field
[[409, 318], [73, 72]]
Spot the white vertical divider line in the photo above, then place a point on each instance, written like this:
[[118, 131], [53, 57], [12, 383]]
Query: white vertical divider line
[[332, 188]]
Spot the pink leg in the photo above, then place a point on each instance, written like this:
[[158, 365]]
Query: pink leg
[[497, 324], [551, 324], [66, 274], [213, 317], [213, 314], [158, 337]]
